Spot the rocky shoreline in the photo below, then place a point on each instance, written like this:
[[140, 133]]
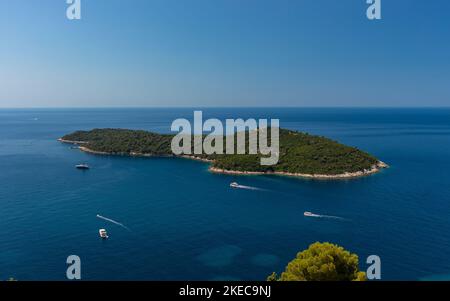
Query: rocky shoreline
[[347, 175], [71, 142]]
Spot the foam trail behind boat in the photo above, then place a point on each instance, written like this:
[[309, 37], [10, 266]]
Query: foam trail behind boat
[[332, 217], [249, 187], [326, 216], [113, 221]]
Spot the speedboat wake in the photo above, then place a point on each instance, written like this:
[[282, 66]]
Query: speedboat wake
[[113, 221], [310, 214], [238, 186]]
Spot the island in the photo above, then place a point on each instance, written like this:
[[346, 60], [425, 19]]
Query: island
[[301, 154]]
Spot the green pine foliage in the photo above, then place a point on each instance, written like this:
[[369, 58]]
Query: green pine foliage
[[122, 141], [322, 262]]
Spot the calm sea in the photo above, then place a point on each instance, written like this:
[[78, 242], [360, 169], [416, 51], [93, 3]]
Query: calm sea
[[187, 224]]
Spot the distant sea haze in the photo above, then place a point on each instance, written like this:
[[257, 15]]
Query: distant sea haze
[[187, 223]]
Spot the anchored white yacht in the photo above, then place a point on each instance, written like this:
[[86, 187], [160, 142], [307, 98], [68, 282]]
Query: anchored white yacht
[[103, 234]]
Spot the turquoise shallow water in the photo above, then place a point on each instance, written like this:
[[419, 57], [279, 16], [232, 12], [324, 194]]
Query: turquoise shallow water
[[188, 224]]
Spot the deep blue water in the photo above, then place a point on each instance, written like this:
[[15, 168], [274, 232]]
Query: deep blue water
[[188, 224]]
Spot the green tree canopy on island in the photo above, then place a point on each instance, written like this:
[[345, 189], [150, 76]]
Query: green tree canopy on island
[[299, 152], [322, 262]]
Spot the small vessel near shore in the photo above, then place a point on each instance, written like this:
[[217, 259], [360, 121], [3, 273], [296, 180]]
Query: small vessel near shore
[[82, 166], [234, 185], [103, 234]]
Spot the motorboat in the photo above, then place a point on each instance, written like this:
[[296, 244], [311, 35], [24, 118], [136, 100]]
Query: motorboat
[[103, 234], [310, 214], [82, 166]]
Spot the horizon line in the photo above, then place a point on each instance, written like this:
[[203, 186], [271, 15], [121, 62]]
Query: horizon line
[[224, 107]]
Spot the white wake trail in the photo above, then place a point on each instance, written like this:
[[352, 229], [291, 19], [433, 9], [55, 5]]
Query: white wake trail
[[332, 217], [326, 216], [250, 188], [113, 221]]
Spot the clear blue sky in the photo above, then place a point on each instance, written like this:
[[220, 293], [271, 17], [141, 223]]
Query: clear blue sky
[[224, 53]]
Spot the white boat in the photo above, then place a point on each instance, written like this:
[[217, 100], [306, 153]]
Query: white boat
[[103, 234], [82, 166], [234, 185], [310, 214]]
